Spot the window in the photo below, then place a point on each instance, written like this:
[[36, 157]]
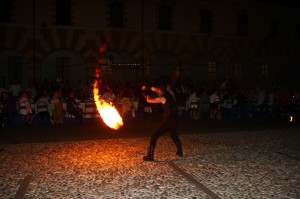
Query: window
[[242, 25], [116, 13], [274, 28], [265, 71], [5, 11], [212, 70], [62, 68], [238, 71], [164, 17], [205, 21], [14, 68], [63, 12]]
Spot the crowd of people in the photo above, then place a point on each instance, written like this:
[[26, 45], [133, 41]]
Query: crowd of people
[[195, 100]]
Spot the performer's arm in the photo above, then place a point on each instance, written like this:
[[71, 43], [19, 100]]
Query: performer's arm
[[156, 99]]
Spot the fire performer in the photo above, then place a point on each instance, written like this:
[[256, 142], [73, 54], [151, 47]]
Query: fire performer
[[169, 120]]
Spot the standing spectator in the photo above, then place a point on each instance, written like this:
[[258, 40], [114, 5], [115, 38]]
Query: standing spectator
[[15, 89], [58, 110]]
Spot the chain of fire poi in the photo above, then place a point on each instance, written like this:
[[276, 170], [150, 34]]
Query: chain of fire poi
[[107, 111]]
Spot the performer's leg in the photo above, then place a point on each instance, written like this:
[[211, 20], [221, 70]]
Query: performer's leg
[[156, 134], [176, 140], [150, 154]]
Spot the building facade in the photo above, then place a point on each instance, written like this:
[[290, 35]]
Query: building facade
[[139, 40]]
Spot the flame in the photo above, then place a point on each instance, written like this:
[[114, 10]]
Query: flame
[[107, 111], [291, 118]]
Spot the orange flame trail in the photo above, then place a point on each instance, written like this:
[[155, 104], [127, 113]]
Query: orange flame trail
[[107, 111]]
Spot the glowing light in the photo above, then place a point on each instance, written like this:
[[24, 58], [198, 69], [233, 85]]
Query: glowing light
[[107, 111], [291, 118]]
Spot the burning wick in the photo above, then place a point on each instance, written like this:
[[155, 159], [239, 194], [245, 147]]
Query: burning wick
[[291, 118], [107, 111]]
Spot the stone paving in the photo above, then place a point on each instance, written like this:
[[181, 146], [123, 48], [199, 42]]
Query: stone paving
[[256, 164]]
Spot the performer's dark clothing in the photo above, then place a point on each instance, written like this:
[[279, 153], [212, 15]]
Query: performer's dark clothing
[[169, 123], [169, 120]]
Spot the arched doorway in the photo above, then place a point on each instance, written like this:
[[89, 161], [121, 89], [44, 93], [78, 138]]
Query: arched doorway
[[162, 65], [120, 66], [64, 65], [13, 66]]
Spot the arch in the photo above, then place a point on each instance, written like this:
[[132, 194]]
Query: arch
[[122, 65], [199, 65], [8, 73], [162, 64], [247, 69], [76, 66]]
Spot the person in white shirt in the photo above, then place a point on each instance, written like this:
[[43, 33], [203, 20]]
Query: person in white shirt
[[194, 106]]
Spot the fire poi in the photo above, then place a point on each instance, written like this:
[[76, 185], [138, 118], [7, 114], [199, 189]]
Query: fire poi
[[107, 111]]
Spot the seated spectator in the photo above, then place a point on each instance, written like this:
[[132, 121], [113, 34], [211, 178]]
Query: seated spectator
[[43, 114], [58, 110], [24, 107], [109, 96], [214, 100], [194, 106], [9, 110], [2, 89], [227, 104], [263, 102], [204, 105], [73, 107], [126, 105]]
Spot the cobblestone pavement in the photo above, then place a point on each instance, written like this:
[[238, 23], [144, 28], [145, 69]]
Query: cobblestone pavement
[[244, 164]]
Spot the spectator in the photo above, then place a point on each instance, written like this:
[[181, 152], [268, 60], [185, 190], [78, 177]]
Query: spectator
[[15, 89], [214, 101], [73, 107], [226, 104], [24, 107], [2, 89], [9, 110], [58, 111], [109, 96], [42, 109], [32, 92], [194, 106], [204, 104], [127, 105]]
